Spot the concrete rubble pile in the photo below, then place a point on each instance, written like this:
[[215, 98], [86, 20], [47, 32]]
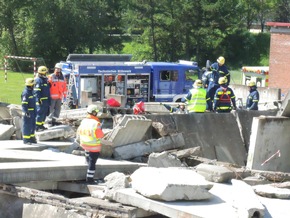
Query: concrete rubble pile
[[172, 165]]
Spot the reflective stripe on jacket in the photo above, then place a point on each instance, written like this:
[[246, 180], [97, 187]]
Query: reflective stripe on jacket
[[197, 102], [90, 133], [57, 86]]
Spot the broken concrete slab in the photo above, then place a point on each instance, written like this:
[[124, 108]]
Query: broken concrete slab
[[114, 182], [132, 126], [37, 210], [220, 174], [270, 191], [170, 184], [163, 159], [62, 131], [223, 145], [269, 144], [177, 209], [6, 131], [246, 201], [129, 151]]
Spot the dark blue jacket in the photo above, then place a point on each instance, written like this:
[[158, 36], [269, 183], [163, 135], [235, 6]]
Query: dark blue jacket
[[253, 99], [28, 101], [222, 71], [42, 90]]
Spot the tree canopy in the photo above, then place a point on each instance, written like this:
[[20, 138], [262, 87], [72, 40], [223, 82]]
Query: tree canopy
[[164, 30]]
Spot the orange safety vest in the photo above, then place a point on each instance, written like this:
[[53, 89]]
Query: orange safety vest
[[90, 133], [57, 86]]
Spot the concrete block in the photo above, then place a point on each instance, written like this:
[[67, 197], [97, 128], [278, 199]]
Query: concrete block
[[272, 192], [269, 144], [219, 174], [163, 159], [62, 131], [129, 151], [133, 127], [18, 124], [170, 184], [6, 131], [246, 201]]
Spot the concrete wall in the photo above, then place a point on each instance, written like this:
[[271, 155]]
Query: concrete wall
[[267, 95], [269, 136], [11, 206]]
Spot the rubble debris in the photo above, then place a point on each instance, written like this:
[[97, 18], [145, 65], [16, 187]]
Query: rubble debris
[[270, 191], [170, 184], [163, 159], [220, 174], [246, 201]]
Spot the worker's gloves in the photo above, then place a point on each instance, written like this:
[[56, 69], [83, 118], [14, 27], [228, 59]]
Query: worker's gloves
[[27, 114], [39, 102]]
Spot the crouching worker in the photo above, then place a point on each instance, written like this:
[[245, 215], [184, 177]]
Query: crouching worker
[[180, 109], [90, 134], [28, 112]]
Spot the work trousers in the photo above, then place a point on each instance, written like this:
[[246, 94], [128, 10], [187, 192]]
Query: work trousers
[[42, 112], [91, 159], [28, 128], [55, 108]]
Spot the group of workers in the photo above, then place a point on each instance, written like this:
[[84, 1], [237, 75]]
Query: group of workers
[[212, 93], [42, 98]]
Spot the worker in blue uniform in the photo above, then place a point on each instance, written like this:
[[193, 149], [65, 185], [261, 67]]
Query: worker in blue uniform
[[222, 69], [42, 97], [28, 112], [224, 99], [210, 80], [253, 97]]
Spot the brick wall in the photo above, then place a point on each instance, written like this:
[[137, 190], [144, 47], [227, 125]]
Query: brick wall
[[279, 66]]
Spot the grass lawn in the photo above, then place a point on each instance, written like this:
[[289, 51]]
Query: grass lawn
[[10, 90]]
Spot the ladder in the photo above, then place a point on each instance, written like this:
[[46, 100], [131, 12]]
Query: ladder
[[71, 84]]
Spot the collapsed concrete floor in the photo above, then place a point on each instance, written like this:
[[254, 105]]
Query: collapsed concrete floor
[[235, 154]]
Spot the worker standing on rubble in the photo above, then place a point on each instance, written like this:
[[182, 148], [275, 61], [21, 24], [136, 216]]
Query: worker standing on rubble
[[28, 112], [222, 69], [224, 98], [42, 95], [180, 109], [210, 81], [90, 134], [58, 92], [253, 97], [196, 98]]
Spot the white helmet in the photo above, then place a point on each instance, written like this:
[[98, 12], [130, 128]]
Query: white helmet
[[91, 108], [58, 65]]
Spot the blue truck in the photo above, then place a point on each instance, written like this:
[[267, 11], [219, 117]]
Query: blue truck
[[136, 81]]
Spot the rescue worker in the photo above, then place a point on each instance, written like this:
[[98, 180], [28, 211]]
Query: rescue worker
[[42, 97], [196, 98], [222, 69], [180, 109], [90, 134], [224, 98], [253, 97], [28, 112], [210, 81], [58, 92]]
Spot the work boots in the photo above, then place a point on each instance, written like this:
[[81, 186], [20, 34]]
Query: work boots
[[33, 140], [91, 181]]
